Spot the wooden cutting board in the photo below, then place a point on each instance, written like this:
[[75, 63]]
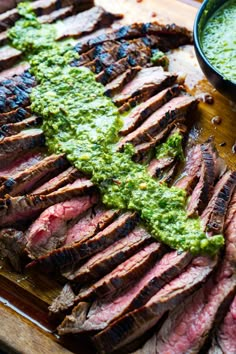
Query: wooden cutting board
[[24, 323]]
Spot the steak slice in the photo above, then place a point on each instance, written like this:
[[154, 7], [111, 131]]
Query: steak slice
[[63, 301], [173, 33], [12, 146], [213, 216], [42, 7], [67, 176], [48, 232], [23, 208], [144, 110], [131, 326], [12, 245], [203, 191], [8, 56], [15, 128], [17, 115], [73, 254], [191, 173], [157, 167], [224, 339], [86, 22], [27, 180], [117, 84], [104, 311], [159, 120], [93, 53], [21, 164], [146, 83], [142, 150], [124, 275], [103, 262]]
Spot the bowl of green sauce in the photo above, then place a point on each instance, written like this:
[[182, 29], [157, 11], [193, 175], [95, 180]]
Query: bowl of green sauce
[[215, 44]]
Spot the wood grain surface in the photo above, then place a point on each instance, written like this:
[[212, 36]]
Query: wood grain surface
[[24, 322]]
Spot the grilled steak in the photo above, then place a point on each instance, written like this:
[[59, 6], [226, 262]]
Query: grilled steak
[[63, 301], [42, 7], [27, 180], [12, 146], [21, 164], [24, 208], [146, 83], [106, 310], [203, 191], [48, 232], [157, 167], [72, 255], [175, 34], [224, 339], [144, 110], [123, 275], [8, 56], [12, 245], [105, 261], [159, 120], [17, 115], [86, 22], [135, 323], [67, 176], [117, 84], [214, 215], [142, 150], [15, 128], [191, 173]]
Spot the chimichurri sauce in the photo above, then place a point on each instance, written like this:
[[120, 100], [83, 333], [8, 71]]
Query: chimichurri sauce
[[219, 40], [83, 123]]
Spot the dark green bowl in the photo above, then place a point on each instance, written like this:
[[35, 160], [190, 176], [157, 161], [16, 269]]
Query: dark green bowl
[[224, 86]]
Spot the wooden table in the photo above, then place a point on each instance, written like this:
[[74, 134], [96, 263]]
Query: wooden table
[[25, 327]]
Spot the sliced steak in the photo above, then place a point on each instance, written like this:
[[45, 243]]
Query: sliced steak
[[42, 7], [72, 255], [15, 128], [86, 22], [67, 176], [175, 34], [124, 275], [158, 166], [12, 245], [175, 108], [142, 150], [103, 262], [214, 215], [135, 323], [27, 180], [92, 223], [57, 15], [146, 83], [48, 232], [188, 327], [21, 164], [144, 110], [8, 56], [12, 146], [191, 173], [105, 310], [203, 191], [17, 115], [224, 339], [24, 208], [63, 301], [117, 84]]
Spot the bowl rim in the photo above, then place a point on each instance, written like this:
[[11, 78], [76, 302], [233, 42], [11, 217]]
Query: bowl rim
[[197, 42]]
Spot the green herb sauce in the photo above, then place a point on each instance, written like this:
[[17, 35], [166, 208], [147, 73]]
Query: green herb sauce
[[219, 40], [81, 122], [171, 148]]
